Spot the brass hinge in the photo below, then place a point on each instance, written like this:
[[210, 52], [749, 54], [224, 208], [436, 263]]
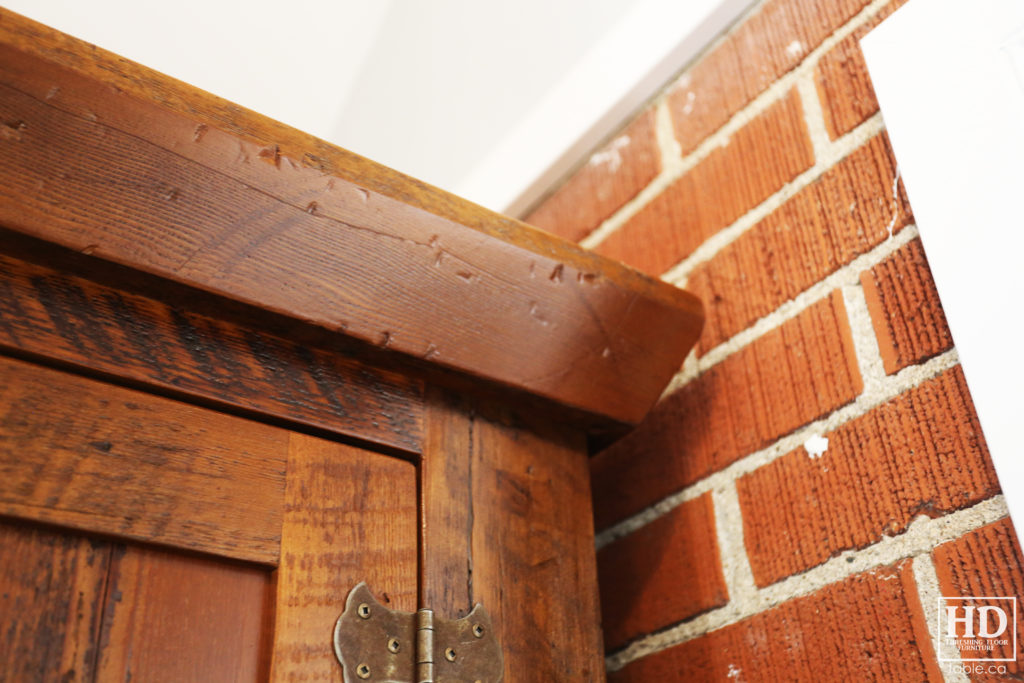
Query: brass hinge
[[374, 643]]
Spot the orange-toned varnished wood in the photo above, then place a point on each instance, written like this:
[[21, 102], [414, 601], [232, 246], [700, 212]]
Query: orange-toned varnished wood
[[51, 601], [54, 314], [172, 617], [107, 157], [446, 506], [350, 516], [533, 549], [82, 454], [516, 534]]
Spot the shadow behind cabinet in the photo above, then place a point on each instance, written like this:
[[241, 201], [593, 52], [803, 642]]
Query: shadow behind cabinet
[[242, 371]]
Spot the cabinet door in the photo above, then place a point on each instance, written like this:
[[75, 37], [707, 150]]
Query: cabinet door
[[148, 539]]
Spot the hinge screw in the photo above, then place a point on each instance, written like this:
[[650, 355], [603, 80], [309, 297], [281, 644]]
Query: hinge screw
[[363, 611], [393, 645], [478, 630], [449, 654], [363, 671]]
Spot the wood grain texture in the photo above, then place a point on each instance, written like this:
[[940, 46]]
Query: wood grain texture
[[171, 618], [87, 455], [104, 156], [51, 599], [530, 560], [446, 509], [52, 313], [533, 550], [350, 516]]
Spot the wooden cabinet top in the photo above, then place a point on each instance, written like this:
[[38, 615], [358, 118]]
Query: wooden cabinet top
[[114, 160]]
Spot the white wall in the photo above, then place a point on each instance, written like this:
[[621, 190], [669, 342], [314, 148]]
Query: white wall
[[950, 81], [294, 61], [447, 79]]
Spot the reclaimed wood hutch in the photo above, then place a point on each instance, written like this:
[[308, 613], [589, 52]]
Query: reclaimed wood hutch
[[243, 371]]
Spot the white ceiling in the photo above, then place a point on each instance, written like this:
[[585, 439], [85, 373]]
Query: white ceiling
[[490, 100], [446, 79]]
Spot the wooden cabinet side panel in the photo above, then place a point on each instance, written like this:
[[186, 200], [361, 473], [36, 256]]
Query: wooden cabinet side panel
[[171, 617], [349, 516], [508, 523], [534, 564], [51, 596]]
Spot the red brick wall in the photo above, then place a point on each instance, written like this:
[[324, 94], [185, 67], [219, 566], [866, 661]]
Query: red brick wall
[[762, 180]]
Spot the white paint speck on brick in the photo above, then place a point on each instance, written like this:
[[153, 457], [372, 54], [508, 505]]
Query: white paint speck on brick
[[816, 446], [795, 48], [612, 156], [691, 97]]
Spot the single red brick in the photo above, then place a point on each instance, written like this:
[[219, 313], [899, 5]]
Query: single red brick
[[840, 216], [792, 375], [640, 574], [868, 627], [841, 76], [986, 562], [764, 47], [905, 309], [612, 177], [758, 160], [920, 453]]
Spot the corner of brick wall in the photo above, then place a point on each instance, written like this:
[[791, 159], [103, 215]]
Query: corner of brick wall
[[729, 547]]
